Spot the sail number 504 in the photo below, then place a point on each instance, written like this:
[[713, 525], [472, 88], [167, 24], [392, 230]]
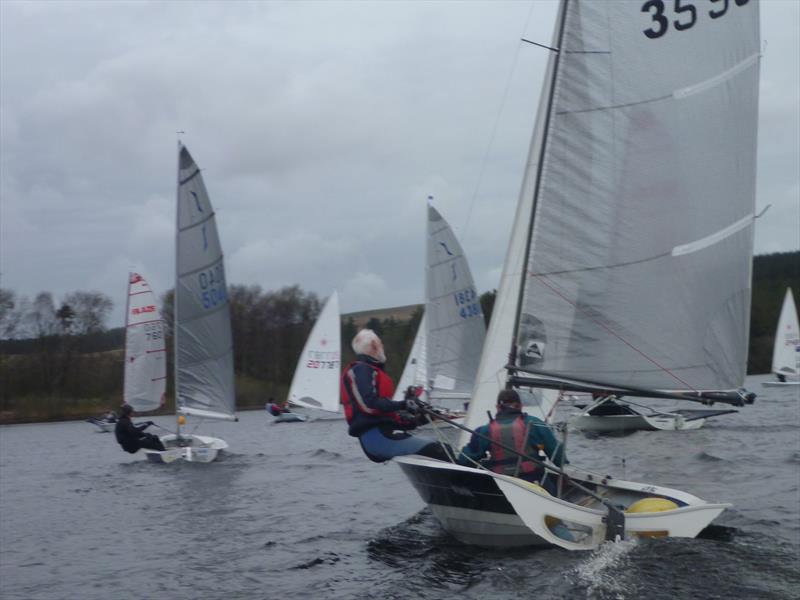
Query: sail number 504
[[685, 13], [212, 286]]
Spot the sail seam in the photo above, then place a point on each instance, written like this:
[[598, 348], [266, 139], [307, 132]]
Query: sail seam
[[198, 223], [202, 268], [190, 177], [216, 357], [204, 314]]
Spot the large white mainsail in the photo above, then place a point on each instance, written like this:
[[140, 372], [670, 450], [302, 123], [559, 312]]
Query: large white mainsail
[[203, 343], [145, 350], [640, 255], [455, 329], [786, 351], [316, 379]]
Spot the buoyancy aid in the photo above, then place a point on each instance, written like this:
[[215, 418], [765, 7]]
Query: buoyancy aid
[[515, 435], [351, 398]]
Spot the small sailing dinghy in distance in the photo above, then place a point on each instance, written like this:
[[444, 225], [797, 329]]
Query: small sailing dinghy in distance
[[447, 349], [316, 379], [786, 350], [204, 380], [632, 245]]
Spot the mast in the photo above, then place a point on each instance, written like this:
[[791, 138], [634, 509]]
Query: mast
[[512, 356], [175, 292], [127, 314]]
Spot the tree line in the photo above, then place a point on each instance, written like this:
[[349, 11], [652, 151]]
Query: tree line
[[59, 360]]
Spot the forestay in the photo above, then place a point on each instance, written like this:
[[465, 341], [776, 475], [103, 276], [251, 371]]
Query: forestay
[[491, 375], [316, 379], [203, 343], [145, 352], [639, 264], [455, 329]]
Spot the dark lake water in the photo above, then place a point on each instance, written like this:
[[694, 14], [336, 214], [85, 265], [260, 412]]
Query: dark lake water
[[296, 511]]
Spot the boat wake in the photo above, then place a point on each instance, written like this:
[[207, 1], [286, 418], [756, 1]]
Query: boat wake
[[605, 574]]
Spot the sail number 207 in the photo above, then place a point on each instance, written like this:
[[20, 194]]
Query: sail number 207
[[683, 14]]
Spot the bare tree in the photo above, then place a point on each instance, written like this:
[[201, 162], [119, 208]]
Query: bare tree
[[90, 311]]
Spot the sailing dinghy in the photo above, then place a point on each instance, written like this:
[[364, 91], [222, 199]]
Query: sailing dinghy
[[145, 348], [628, 268], [786, 351], [204, 384], [447, 349], [316, 379]]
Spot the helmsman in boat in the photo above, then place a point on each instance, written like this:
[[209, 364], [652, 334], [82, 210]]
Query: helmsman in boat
[[526, 434], [380, 424], [133, 437]]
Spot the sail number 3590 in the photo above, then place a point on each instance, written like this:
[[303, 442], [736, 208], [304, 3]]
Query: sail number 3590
[[685, 13]]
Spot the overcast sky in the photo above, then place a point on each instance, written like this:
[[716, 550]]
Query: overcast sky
[[321, 128]]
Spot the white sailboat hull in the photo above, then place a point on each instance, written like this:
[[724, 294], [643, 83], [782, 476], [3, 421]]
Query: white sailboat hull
[[102, 426], [781, 383], [482, 508], [620, 423], [290, 417], [191, 448]]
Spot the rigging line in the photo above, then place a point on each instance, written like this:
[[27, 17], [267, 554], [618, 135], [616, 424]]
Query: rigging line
[[495, 127], [611, 331]]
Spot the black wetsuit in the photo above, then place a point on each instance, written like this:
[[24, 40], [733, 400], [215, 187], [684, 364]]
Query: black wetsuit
[[133, 437]]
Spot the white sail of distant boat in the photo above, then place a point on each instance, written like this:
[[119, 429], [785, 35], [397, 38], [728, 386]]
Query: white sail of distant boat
[[415, 372], [204, 379], [145, 349], [786, 349], [448, 345], [628, 270], [316, 379]]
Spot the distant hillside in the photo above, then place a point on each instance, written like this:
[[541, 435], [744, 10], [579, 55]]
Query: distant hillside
[[398, 313]]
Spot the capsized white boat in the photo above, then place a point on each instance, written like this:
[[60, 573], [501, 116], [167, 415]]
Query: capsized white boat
[[447, 349], [786, 351], [631, 244], [204, 380], [316, 378]]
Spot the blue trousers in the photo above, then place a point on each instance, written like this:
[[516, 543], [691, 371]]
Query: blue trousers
[[380, 445]]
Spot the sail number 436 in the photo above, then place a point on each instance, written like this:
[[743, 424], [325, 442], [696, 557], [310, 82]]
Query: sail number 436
[[685, 13]]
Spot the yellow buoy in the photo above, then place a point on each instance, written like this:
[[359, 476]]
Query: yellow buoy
[[651, 505], [181, 420]]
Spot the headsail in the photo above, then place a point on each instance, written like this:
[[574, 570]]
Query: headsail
[[316, 379], [786, 352], [455, 329], [640, 256], [415, 373], [491, 375], [145, 352], [203, 343]]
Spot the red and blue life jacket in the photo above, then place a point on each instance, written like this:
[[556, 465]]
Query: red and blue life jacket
[[515, 435]]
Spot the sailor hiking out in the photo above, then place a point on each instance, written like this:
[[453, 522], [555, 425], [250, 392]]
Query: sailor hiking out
[[380, 423]]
